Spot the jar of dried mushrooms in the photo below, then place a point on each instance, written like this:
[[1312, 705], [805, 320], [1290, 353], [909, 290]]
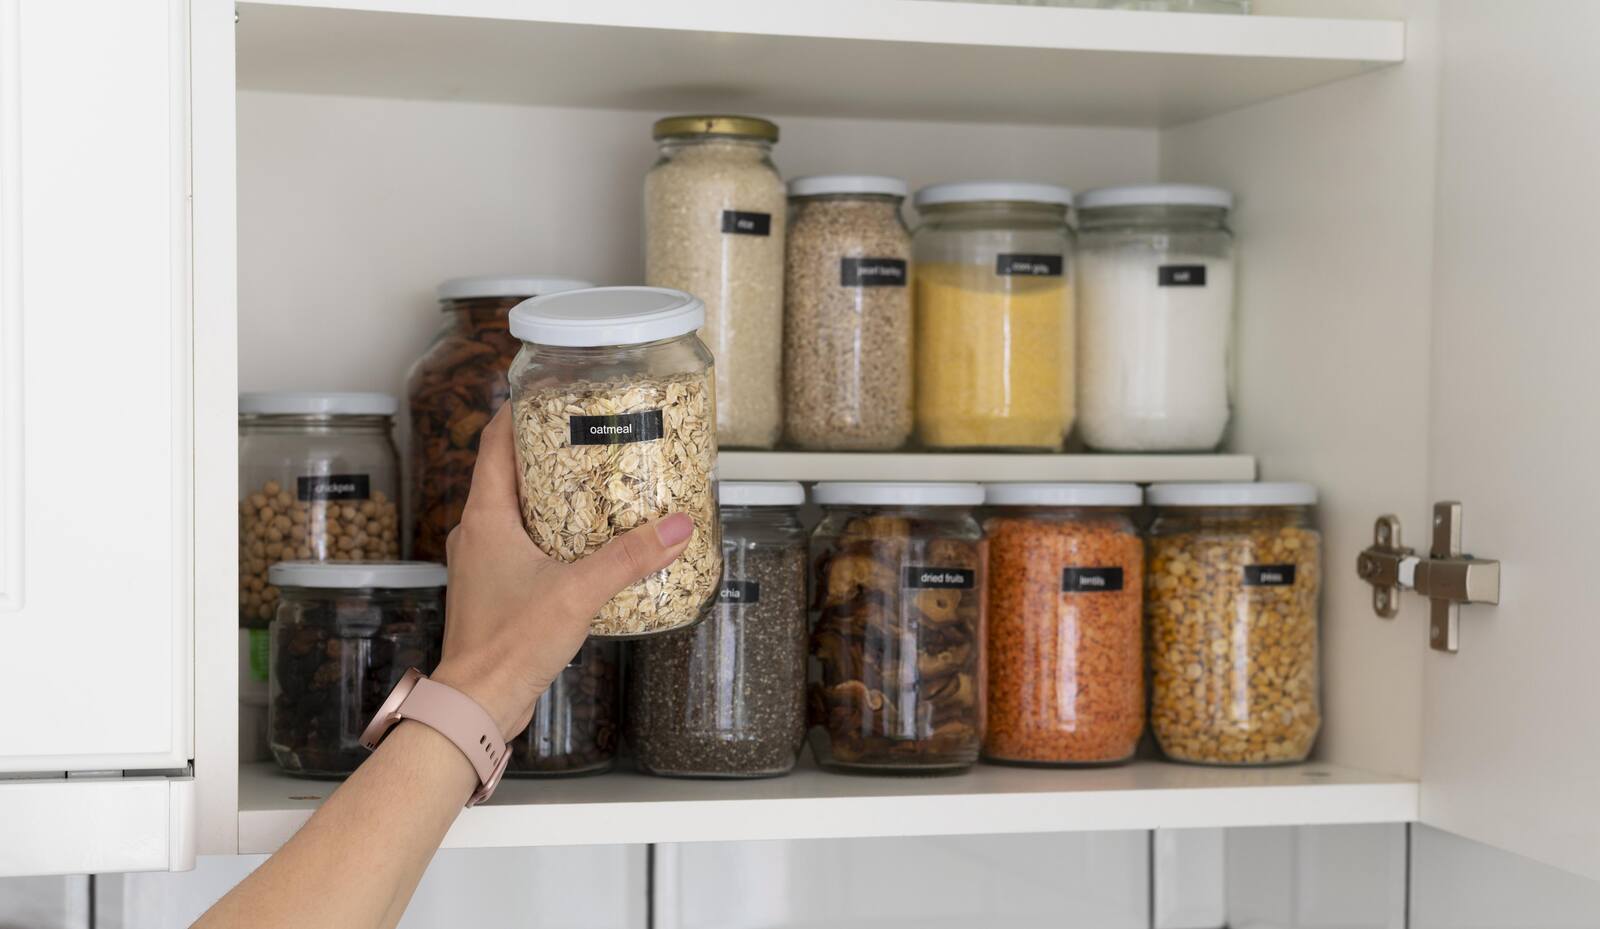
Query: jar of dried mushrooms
[[714, 227], [613, 405]]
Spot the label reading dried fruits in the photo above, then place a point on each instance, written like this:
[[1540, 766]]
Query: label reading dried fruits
[[643, 426], [1269, 575], [739, 593], [1181, 276], [1090, 580], [872, 272], [1028, 265], [918, 577], [334, 487], [737, 223]]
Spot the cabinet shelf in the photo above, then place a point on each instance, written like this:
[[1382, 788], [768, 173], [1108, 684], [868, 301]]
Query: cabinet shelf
[[894, 466], [625, 808]]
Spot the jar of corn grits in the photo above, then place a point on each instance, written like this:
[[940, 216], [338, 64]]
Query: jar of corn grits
[[1233, 574]]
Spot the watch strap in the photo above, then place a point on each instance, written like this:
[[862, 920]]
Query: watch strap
[[458, 718]]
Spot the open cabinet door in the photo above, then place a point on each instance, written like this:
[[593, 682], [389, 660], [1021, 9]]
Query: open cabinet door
[[1511, 753]]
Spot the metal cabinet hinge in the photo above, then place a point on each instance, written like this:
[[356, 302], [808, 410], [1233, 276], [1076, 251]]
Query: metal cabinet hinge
[[1446, 577]]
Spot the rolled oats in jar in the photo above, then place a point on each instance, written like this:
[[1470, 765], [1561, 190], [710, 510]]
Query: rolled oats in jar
[[1233, 574]]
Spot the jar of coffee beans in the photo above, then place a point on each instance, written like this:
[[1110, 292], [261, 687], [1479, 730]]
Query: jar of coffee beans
[[575, 723]]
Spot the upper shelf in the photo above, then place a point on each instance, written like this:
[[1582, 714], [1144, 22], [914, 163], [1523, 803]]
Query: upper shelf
[[897, 59]]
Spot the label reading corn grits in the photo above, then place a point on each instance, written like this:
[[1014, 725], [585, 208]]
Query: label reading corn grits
[[918, 577], [1269, 575], [1090, 580], [1028, 265], [643, 426]]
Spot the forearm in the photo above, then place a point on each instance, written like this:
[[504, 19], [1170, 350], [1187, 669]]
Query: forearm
[[357, 861]]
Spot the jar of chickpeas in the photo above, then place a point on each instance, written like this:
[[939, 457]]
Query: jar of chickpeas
[[1231, 584]]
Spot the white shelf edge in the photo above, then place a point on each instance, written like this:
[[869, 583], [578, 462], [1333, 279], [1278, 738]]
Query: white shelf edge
[[909, 466]]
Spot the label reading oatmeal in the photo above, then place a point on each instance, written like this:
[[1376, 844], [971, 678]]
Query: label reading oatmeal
[[1181, 276], [1028, 265], [1269, 575], [643, 426], [737, 223], [334, 487], [1090, 580], [872, 272], [919, 577], [739, 593]]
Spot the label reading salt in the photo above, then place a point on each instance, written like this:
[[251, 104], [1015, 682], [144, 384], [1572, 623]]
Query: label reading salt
[[1181, 276], [333, 487], [1090, 580], [1269, 575], [737, 223], [872, 272], [1028, 265], [739, 593], [643, 426], [919, 577]]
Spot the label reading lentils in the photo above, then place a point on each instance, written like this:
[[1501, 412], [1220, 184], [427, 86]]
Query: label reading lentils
[[1090, 580], [739, 593], [643, 426], [1028, 265], [918, 577], [737, 223], [1181, 276], [872, 272], [334, 487], [1269, 575]]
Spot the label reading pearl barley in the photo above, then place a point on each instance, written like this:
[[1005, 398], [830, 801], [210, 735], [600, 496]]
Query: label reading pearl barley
[[739, 593], [737, 223], [1028, 265], [333, 487], [872, 272], [1090, 580], [1269, 575], [1181, 276], [643, 426], [918, 578]]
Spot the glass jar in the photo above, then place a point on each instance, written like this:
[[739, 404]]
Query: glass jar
[[453, 389], [1155, 287], [714, 227], [1064, 646], [576, 721], [994, 337], [343, 636], [728, 697], [613, 412], [895, 646], [1233, 574], [847, 315]]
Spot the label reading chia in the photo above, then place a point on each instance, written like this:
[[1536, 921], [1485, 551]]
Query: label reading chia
[[643, 426], [1090, 580], [334, 487], [1269, 575], [737, 223], [918, 576], [1028, 265], [739, 592], [1181, 276], [872, 272]]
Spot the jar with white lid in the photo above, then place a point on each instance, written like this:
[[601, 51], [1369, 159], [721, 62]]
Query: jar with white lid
[[894, 645], [1155, 294], [994, 316], [1231, 587], [614, 422], [577, 721], [343, 636]]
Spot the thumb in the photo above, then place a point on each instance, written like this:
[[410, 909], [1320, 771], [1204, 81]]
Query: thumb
[[629, 557]]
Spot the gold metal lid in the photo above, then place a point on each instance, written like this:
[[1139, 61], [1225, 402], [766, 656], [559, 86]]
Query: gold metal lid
[[751, 127]]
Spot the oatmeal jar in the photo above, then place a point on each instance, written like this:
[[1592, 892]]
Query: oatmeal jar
[[1064, 656], [714, 227], [1231, 585], [576, 721], [847, 315], [613, 411], [728, 697], [343, 636], [894, 645]]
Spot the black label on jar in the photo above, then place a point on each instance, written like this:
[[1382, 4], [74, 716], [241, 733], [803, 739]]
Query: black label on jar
[[918, 577], [872, 272], [334, 487], [739, 593], [737, 223], [1181, 276], [1028, 265], [1090, 580], [643, 426], [1269, 575]]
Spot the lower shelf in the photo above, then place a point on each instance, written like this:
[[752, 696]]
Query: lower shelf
[[628, 808], [948, 466]]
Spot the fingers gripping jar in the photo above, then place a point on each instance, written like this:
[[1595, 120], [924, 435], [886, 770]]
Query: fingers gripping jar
[[1234, 571], [613, 415]]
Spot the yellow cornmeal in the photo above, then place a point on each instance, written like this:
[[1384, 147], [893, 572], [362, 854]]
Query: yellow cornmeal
[[994, 358]]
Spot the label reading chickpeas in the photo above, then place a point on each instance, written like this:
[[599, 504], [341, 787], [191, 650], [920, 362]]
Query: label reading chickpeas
[[926, 578], [618, 429], [1007, 265], [1090, 580], [872, 272], [334, 487], [1269, 575], [739, 593], [736, 223]]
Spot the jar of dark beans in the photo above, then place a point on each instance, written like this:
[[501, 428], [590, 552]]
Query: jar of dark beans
[[574, 727], [726, 698], [343, 636]]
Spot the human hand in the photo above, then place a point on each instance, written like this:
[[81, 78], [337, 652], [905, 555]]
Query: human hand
[[514, 616]]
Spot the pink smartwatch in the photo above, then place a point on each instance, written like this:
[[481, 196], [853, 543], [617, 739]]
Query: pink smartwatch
[[453, 715]]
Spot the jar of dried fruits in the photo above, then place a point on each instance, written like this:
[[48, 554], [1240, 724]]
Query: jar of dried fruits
[[895, 639], [614, 414], [343, 636], [575, 723], [1064, 651], [457, 384], [1231, 586]]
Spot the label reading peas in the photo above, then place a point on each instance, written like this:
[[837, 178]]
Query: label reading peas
[[918, 577], [739, 593], [1028, 265], [1090, 580], [737, 223], [1181, 276], [643, 426], [872, 272], [1269, 575], [334, 487]]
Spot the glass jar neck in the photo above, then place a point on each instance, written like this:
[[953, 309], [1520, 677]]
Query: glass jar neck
[[725, 146], [999, 211], [481, 311], [1065, 513], [1155, 216], [888, 202], [301, 424], [762, 517], [598, 354], [1229, 518]]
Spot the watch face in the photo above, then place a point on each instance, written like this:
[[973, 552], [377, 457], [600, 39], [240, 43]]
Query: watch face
[[386, 717]]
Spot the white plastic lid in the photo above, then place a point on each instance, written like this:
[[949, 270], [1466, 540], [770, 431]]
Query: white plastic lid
[[1257, 494], [607, 316], [977, 191], [508, 285], [313, 403], [1062, 494], [897, 493], [351, 575], [819, 184], [760, 493], [1156, 195]]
